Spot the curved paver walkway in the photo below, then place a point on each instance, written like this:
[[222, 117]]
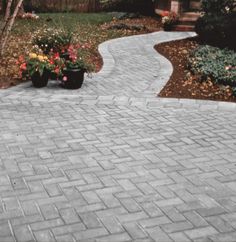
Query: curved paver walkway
[[112, 162]]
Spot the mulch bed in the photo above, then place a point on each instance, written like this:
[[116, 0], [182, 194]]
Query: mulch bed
[[182, 83]]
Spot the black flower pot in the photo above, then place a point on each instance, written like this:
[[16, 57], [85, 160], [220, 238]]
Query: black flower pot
[[40, 80], [167, 27], [73, 78]]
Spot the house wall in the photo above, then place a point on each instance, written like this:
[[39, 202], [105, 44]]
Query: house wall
[[177, 5], [195, 4], [163, 4]]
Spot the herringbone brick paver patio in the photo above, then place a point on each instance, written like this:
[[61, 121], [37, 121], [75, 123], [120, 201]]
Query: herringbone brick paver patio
[[112, 162]]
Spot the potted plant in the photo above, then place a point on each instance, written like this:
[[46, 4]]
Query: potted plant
[[36, 67], [168, 20], [52, 39], [56, 65], [74, 69]]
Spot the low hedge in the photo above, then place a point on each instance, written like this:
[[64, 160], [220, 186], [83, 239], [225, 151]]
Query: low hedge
[[217, 64]]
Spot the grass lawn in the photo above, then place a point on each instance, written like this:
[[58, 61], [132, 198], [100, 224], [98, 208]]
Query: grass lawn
[[89, 28]]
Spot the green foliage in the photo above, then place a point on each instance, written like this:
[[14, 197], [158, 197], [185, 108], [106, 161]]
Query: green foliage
[[66, 21], [217, 30], [218, 6], [234, 91], [217, 25], [214, 63], [141, 6], [33, 63], [51, 39]]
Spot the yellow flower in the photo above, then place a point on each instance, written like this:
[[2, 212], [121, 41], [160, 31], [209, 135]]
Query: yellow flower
[[45, 57], [32, 56], [40, 57]]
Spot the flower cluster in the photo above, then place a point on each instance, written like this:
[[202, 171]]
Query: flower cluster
[[76, 60], [33, 63], [57, 64], [169, 17], [230, 67], [51, 39], [29, 16], [54, 52]]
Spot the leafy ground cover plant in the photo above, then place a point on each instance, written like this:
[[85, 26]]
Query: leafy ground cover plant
[[183, 83], [217, 64]]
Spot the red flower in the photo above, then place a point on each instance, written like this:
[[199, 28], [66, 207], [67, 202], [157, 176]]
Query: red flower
[[56, 56], [57, 70], [23, 66], [165, 13], [21, 58]]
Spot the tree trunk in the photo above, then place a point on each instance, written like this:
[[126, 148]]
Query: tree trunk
[[8, 26], [8, 10]]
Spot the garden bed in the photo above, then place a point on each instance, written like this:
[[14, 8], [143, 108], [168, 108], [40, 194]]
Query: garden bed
[[183, 83], [89, 29]]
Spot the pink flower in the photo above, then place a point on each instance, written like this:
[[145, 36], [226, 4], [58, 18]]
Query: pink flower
[[65, 78], [57, 70], [23, 66]]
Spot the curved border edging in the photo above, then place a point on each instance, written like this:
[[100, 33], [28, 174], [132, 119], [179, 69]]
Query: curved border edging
[[109, 64]]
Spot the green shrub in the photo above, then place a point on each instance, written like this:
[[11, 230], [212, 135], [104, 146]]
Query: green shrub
[[217, 30], [141, 6], [217, 64], [218, 6], [217, 25], [51, 39], [234, 91]]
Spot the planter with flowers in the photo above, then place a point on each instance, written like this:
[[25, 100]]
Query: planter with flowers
[[168, 20], [36, 67], [59, 59], [74, 69], [56, 65], [52, 40]]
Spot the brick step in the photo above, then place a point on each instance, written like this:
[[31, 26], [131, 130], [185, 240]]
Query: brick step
[[186, 23], [189, 17], [181, 27], [191, 14]]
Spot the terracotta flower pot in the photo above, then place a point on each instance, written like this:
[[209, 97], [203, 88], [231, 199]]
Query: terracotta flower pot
[[73, 78], [40, 80]]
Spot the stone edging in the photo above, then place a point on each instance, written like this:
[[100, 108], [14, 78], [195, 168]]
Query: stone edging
[[109, 63]]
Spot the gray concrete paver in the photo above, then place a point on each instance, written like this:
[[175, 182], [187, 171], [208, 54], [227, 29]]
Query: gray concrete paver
[[112, 162]]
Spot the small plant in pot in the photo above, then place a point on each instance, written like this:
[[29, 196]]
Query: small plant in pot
[[36, 67], [56, 65], [168, 20], [74, 69]]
